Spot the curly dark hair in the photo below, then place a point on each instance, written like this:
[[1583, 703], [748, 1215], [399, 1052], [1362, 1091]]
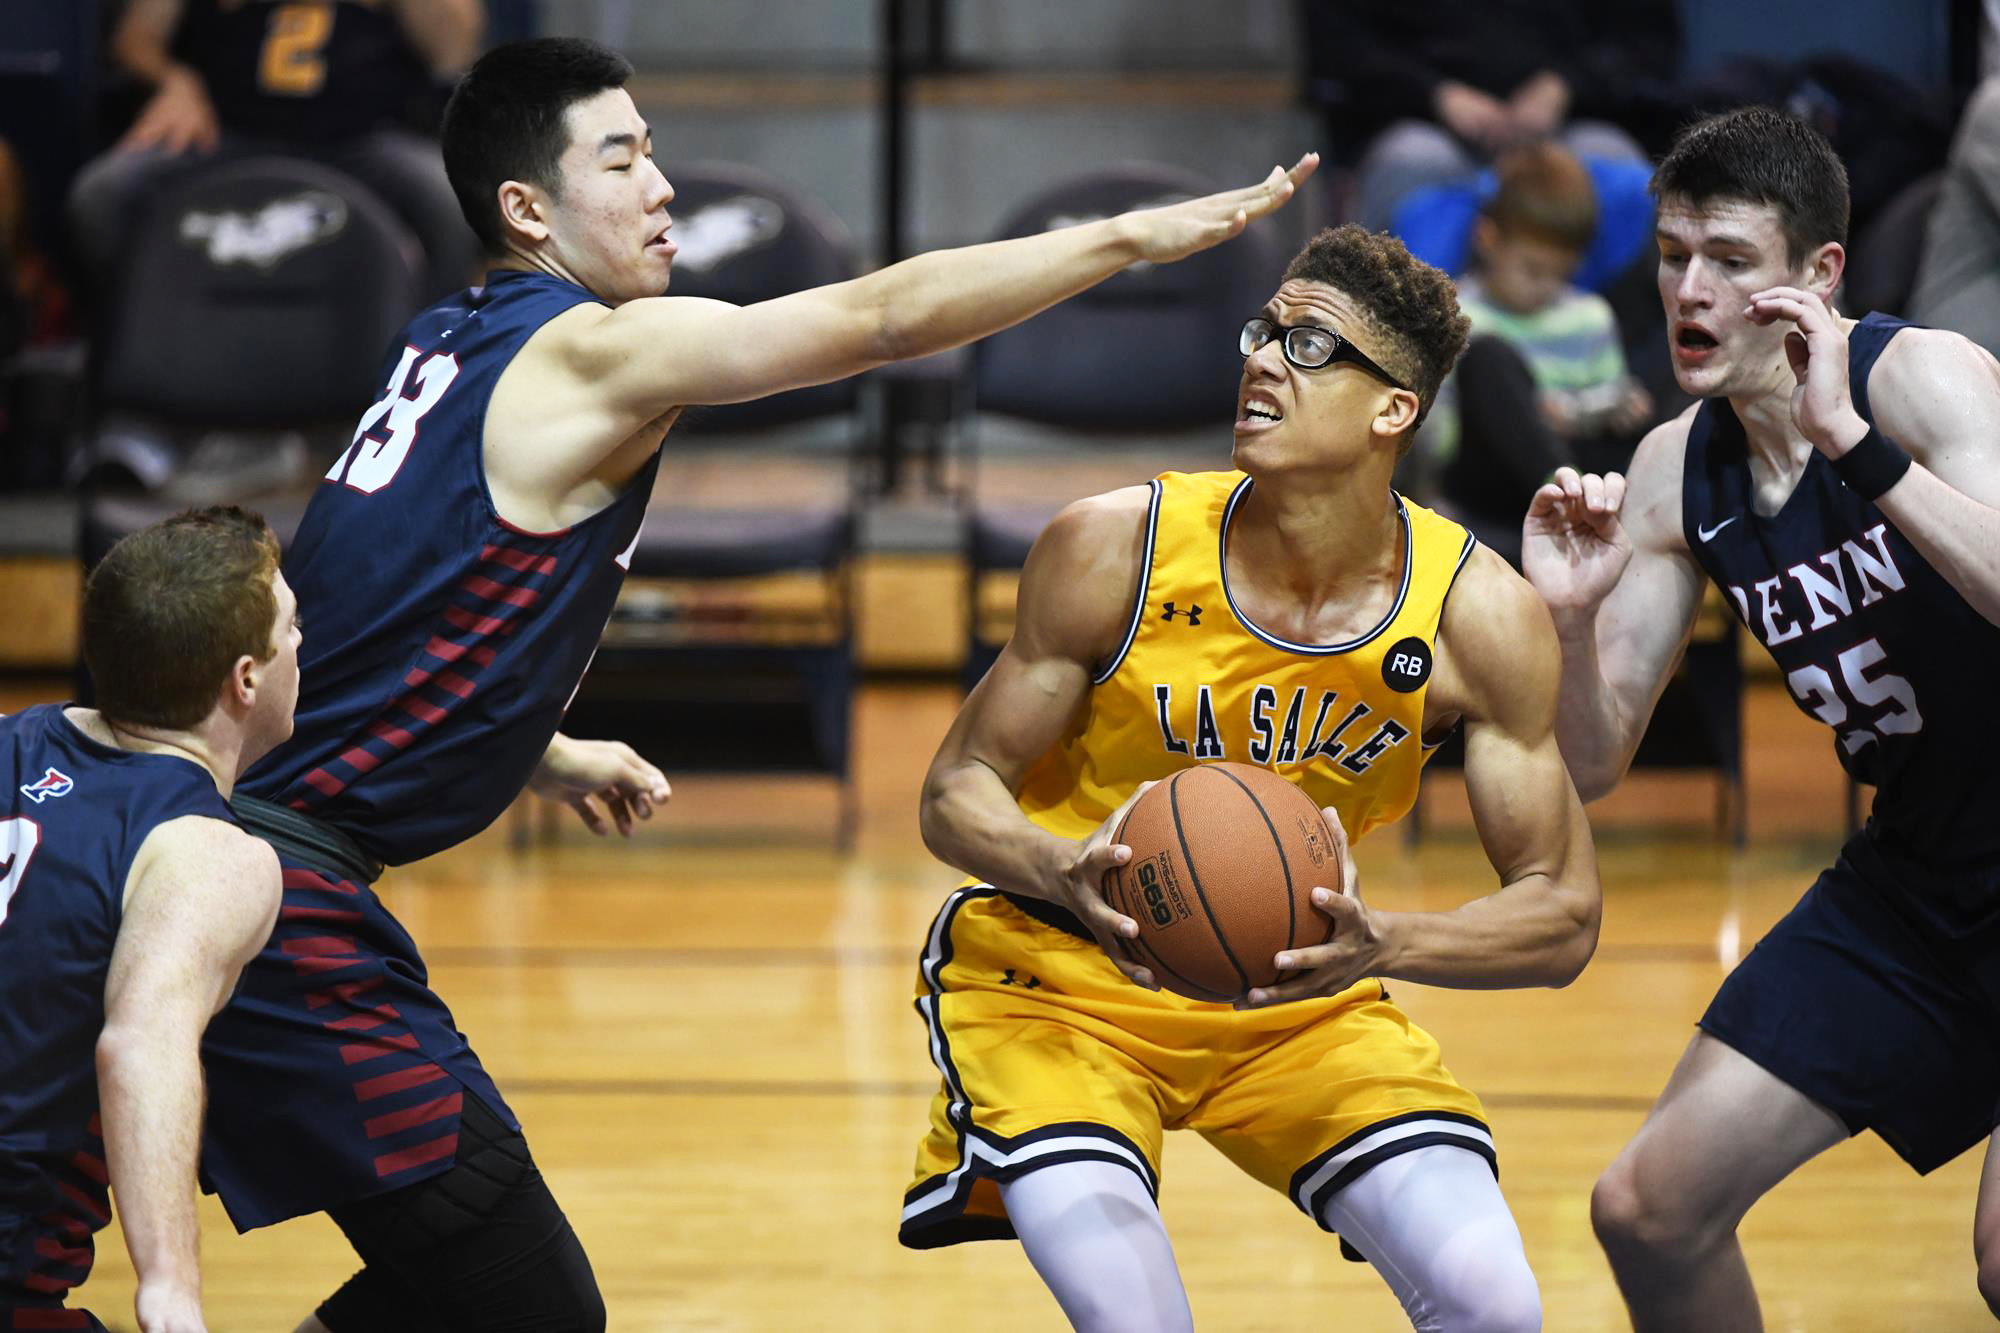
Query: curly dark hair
[[1411, 308], [1762, 156]]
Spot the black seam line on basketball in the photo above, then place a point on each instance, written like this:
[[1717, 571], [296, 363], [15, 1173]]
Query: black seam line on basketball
[[1143, 943], [1291, 906], [1189, 982], [1145, 583], [1308, 649], [1194, 876]]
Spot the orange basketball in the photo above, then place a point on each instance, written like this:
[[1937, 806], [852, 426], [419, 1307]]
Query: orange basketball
[[1224, 860]]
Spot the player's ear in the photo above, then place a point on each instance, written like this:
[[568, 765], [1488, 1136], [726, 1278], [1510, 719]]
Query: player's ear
[[1398, 414], [1824, 269], [523, 209], [239, 692]]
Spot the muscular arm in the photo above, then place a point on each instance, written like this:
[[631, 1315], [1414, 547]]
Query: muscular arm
[[1618, 645], [1074, 605], [1938, 395], [201, 901], [1497, 669], [1498, 656], [1075, 600], [596, 377], [445, 33]]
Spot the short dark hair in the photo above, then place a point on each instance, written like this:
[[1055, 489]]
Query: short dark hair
[[169, 610], [506, 120], [1411, 307], [1761, 156], [1546, 194]]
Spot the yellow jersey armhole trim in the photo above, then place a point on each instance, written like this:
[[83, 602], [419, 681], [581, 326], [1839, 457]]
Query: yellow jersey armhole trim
[[1145, 583], [1464, 554]]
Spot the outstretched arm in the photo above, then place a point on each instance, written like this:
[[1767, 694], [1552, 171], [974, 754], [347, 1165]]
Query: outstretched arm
[[1498, 665], [1076, 597], [1937, 396], [201, 901], [651, 355]]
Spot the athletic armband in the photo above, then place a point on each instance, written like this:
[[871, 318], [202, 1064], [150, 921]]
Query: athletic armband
[[1871, 467]]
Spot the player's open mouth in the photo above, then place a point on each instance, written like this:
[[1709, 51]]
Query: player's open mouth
[[1694, 339], [662, 244], [1257, 413]]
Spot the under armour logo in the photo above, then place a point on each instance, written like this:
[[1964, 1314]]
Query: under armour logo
[[1032, 983], [1193, 613]]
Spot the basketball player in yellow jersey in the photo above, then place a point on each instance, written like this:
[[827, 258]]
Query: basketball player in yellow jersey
[[1300, 615]]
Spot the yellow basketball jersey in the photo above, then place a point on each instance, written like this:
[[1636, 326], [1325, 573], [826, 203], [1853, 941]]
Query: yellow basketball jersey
[[1197, 681]]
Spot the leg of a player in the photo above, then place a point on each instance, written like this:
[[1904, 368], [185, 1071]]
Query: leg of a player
[[1094, 1234], [1435, 1226], [1986, 1226], [1721, 1135]]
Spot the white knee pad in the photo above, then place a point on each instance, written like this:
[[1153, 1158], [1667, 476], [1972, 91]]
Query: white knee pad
[[1435, 1226]]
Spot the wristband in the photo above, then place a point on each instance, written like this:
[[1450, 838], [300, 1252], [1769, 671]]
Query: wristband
[[1871, 467]]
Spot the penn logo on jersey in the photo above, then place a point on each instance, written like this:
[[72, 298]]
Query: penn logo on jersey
[[52, 783], [1272, 741], [1813, 601]]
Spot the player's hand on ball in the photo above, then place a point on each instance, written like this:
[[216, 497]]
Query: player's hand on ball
[[1179, 230], [605, 782], [1356, 950], [1080, 888], [1573, 547]]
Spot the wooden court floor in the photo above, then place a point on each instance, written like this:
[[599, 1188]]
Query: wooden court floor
[[709, 1038]]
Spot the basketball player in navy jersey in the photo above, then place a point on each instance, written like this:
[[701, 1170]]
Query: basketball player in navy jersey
[[129, 902], [1839, 482], [459, 563]]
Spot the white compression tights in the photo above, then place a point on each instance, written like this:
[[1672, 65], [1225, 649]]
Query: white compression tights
[[1432, 1222]]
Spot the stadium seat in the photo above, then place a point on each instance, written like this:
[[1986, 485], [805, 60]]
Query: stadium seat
[[248, 321]]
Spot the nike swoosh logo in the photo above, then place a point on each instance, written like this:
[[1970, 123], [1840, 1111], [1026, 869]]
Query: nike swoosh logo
[[1706, 533]]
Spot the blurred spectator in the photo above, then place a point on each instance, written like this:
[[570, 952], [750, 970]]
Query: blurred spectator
[[1437, 88], [340, 81], [1543, 381], [33, 306], [1958, 280]]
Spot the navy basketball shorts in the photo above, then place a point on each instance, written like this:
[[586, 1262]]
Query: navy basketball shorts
[[1846, 1001]]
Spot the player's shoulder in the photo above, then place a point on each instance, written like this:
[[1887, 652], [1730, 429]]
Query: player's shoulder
[[1651, 511], [1497, 636], [1108, 516], [1084, 570], [1491, 605], [1663, 449], [1923, 372], [204, 846]]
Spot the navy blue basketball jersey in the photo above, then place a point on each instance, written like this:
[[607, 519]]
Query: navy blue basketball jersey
[[442, 644], [73, 815], [1871, 640]]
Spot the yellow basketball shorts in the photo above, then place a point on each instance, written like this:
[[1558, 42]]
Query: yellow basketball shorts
[[1049, 1055]]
